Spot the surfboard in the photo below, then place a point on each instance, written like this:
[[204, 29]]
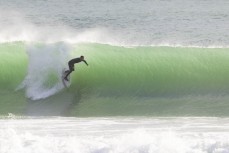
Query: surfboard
[[65, 82]]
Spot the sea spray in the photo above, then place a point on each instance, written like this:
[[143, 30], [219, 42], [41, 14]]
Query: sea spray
[[46, 63]]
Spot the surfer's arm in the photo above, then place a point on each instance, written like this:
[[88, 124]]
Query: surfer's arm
[[85, 62]]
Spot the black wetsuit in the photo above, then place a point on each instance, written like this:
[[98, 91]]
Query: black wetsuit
[[73, 61], [71, 66]]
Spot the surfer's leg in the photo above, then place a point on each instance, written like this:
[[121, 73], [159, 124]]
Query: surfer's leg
[[66, 77], [71, 68]]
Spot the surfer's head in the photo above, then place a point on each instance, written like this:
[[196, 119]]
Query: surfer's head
[[82, 57]]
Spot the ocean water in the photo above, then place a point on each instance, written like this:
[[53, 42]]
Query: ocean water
[[157, 80]]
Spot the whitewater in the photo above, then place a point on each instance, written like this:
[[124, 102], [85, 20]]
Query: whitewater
[[157, 80], [38, 135]]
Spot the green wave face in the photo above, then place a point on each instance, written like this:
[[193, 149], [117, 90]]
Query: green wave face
[[13, 64], [152, 71], [158, 81]]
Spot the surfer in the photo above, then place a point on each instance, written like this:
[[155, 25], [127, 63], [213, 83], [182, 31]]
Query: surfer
[[71, 65]]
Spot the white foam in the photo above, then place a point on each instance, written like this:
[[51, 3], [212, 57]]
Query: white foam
[[179, 135], [44, 60]]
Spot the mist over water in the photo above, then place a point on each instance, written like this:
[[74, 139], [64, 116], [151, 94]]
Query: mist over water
[[187, 23]]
